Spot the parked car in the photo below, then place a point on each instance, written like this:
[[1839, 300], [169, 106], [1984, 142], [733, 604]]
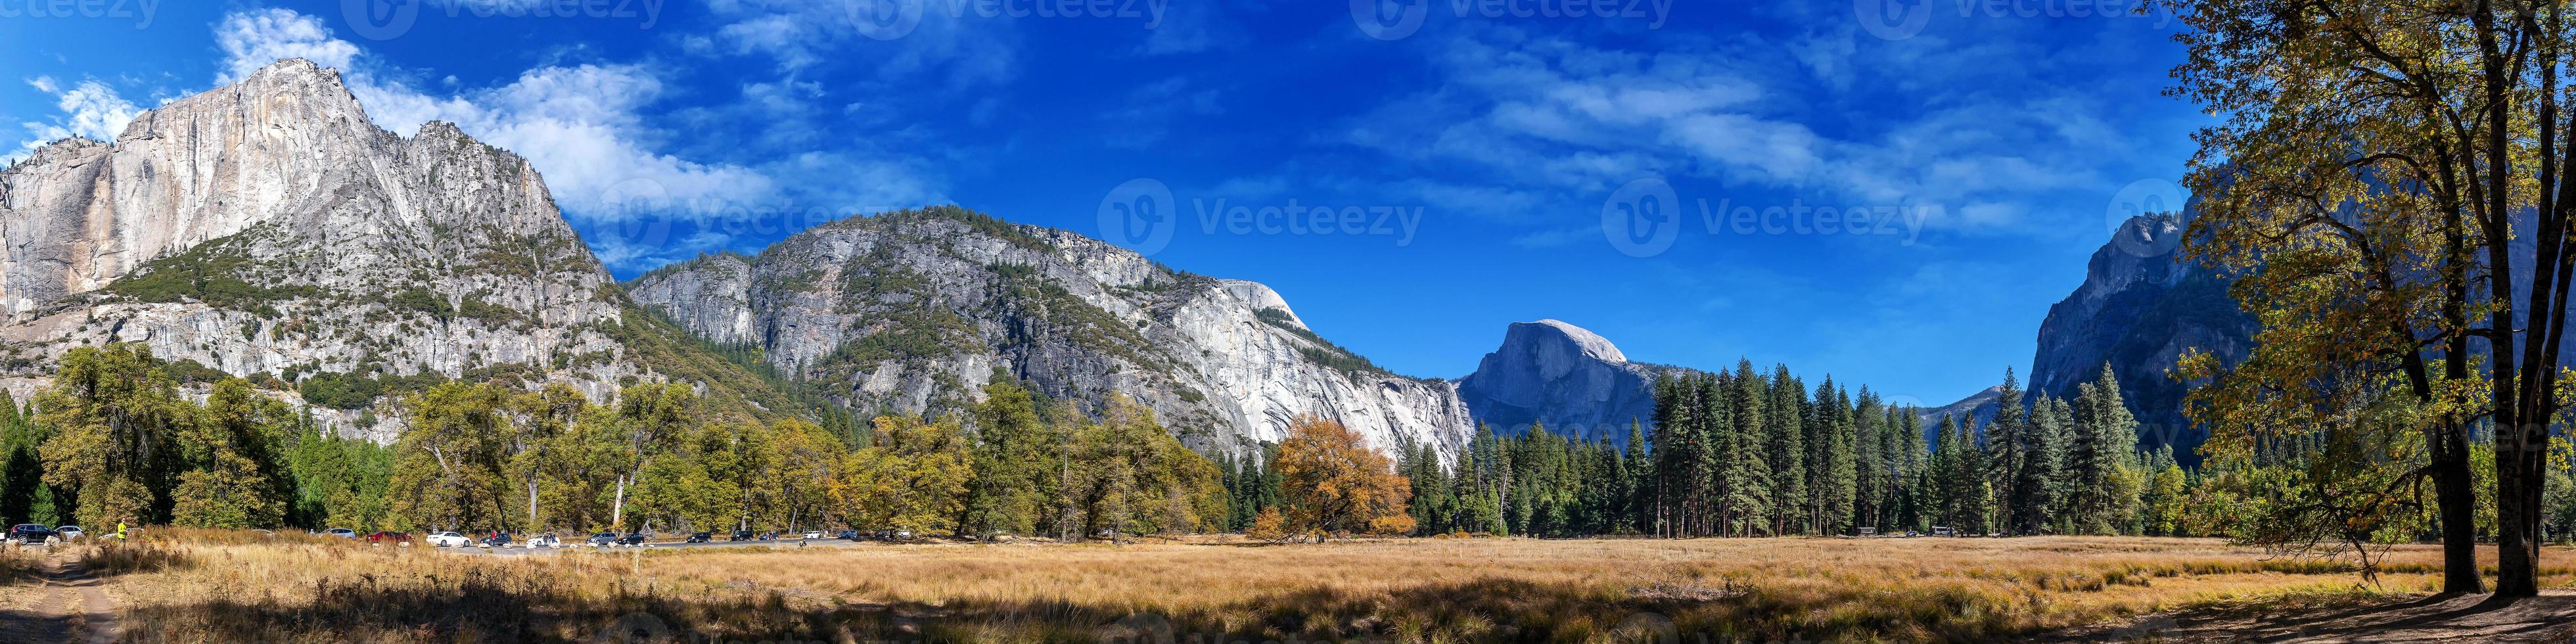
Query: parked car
[[813, 534], [448, 540], [496, 540], [343, 533], [741, 535], [546, 540], [848, 535], [603, 540], [701, 537], [32, 534], [389, 536], [263, 532], [69, 532], [631, 539]]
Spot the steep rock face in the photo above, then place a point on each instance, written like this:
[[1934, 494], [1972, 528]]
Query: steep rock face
[[269, 227], [1562, 377], [2139, 307], [915, 311]]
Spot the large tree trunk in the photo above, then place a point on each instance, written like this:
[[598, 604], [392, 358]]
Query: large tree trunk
[[2455, 491]]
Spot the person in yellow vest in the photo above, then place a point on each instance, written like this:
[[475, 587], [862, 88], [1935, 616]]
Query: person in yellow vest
[[120, 531]]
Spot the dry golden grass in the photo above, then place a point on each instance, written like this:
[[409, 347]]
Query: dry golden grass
[[210, 587]]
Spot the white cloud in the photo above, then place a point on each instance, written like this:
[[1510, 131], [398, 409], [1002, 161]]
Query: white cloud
[[951, 45], [581, 125], [89, 108], [253, 39], [1555, 123]]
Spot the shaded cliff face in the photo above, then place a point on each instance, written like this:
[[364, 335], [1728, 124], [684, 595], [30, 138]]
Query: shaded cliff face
[[269, 227], [2139, 307], [915, 311], [1567, 379]]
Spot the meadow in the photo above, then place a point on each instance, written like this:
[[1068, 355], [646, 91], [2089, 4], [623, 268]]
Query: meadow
[[184, 586]]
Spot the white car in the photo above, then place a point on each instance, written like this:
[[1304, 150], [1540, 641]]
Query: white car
[[449, 540], [545, 541], [343, 533], [70, 533], [813, 534]]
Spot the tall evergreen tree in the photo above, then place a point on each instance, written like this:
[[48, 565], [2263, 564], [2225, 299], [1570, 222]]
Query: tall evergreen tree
[[2004, 448]]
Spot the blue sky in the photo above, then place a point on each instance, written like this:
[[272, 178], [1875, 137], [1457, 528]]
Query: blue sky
[[1478, 162]]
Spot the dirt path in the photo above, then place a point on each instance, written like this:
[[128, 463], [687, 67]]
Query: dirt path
[[67, 602], [2549, 618]]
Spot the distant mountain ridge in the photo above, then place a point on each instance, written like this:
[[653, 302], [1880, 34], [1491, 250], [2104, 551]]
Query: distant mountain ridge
[[914, 311]]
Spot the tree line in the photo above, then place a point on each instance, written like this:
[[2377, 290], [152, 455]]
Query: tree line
[[114, 439], [1748, 453], [1740, 453]]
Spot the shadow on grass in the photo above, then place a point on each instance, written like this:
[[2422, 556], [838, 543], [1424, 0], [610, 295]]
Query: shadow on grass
[[475, 607]]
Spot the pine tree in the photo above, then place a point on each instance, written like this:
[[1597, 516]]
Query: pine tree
[[2105, 435], [1784, 430], [1746, 482], [2037, 486], [1640, 488], [2005, 444]]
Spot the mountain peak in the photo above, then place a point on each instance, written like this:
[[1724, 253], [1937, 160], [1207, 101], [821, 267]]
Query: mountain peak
[[1569, 379], [1582, 341]]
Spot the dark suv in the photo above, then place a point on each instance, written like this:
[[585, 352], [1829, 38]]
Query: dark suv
[[32, 534], [740, 535], [701, 537]]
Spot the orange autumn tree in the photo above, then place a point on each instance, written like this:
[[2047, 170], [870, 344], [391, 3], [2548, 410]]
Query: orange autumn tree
[[1331, 484]]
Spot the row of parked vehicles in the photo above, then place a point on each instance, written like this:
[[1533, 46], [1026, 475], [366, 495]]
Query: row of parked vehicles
[[36, 534]]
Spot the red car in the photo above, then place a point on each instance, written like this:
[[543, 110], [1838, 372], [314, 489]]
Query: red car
[[392, 537]]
